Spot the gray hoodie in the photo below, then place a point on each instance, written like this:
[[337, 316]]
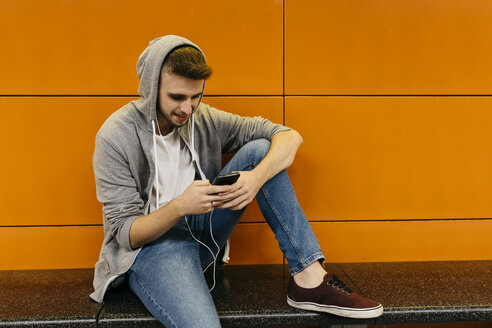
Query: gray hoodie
[[124, 165]]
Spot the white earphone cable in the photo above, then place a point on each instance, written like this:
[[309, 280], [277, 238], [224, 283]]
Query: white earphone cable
[[155, 164], [214, 256]]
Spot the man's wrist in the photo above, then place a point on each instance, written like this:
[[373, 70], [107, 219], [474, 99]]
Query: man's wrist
[[261, 174], [176, 206]]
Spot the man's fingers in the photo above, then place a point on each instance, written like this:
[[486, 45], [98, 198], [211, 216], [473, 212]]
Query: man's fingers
[[218, 190], [210, 189], [236, 204], [201, 182], [218, 200], [233, 203], [240, 206]]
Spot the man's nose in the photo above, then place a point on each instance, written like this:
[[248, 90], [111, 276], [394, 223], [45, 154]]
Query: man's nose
[[187, 106]]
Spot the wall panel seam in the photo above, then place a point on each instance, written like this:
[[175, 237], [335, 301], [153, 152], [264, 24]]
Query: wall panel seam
[[136, 96], [383, 220], [390, 96], [51, 226], [283, 61], [263, 222]]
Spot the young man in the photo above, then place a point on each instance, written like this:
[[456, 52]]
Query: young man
[[164, 222]]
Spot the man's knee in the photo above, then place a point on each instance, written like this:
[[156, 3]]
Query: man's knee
[[257, 148]]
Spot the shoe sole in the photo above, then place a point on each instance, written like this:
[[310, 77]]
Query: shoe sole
[[337, 310]]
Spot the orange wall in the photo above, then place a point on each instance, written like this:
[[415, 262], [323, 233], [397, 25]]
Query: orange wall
[[393, 99]]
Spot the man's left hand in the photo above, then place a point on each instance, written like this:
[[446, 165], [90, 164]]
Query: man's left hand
[[243, 192]]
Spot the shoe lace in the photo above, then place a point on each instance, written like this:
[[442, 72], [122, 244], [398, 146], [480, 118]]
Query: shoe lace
[[338, 284]]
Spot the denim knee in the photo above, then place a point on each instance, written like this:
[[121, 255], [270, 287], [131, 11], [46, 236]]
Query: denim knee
[[256, 149]]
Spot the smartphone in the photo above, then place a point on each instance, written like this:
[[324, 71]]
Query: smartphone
[[226, 179]]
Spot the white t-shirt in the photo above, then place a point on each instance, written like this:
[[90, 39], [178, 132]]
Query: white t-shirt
[[174, 167]]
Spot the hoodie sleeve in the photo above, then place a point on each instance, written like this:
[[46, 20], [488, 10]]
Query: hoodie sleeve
[[116, 190], [235, 131]]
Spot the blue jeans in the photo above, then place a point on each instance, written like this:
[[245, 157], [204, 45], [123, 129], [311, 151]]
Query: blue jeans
[[167, 275]]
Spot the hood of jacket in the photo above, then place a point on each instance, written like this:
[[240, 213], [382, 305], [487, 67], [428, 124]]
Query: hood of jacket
[[149, 67]]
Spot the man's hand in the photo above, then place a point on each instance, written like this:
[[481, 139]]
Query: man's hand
[[282, 151], [197, 199], [200, 196], [242, 192]]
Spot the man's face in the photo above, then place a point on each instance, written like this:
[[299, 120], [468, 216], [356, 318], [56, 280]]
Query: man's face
[[178, 99]]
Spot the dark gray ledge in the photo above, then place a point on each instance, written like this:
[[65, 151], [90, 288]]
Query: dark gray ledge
[[255, 296]]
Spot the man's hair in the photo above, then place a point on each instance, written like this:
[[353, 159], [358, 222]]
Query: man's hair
[[189, 62]]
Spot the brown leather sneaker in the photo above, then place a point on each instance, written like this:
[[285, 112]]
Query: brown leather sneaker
[[332, 296]]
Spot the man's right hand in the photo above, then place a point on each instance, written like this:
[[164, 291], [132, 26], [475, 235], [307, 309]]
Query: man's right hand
[[198, 198]]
